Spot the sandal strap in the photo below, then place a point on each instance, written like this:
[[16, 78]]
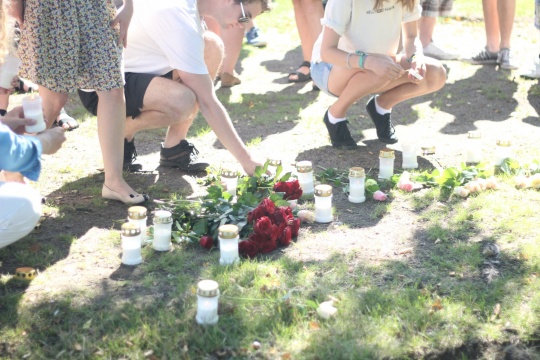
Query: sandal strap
[[306, 64]]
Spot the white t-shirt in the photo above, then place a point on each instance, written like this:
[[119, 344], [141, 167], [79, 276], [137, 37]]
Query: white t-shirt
[[165, 35], [363, 28]]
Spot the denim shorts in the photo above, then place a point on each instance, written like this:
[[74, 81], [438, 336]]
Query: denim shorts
[[320, 72]]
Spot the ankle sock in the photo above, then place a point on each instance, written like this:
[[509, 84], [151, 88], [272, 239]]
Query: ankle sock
[[380, 109], [334, 120]]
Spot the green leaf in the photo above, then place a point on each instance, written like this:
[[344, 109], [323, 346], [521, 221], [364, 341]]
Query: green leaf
[[201, 227]]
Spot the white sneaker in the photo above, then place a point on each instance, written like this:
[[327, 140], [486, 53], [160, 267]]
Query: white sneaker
[[532, 73], [435, 52], [506, 60]]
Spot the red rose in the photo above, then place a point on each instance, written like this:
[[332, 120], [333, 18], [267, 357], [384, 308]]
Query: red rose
[[248, 248], [295, 227], [290, 188], [286, 237], [263, 226], [259, 238], [267, 246], [207, 242], [256, 214], [282, 215], [268, 206]]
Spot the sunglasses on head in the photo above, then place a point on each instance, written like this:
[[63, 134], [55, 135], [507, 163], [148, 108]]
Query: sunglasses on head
[[243, 19]]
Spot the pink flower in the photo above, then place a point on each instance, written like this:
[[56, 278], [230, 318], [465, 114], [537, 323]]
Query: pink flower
[[379, 196]]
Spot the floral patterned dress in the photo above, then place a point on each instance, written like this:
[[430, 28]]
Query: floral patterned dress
[[69, 44]]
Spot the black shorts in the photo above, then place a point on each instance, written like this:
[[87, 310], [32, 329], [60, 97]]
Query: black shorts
[[134, 90]]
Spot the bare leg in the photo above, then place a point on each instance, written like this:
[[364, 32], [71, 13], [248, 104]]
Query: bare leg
[[4, 101], [308, 14], [111, 113], [232, 38], [53, 102], [426, 25], [491, 22], [506, 10], [179, 108]]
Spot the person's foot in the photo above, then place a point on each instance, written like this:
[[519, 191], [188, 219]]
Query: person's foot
[[131, 199], [383, 123], [340, 137], [303, 74], [130, 155], [182, 156], [254, 37], [229, 80], [533, 72], [66, 121], [483, 57], [435, 52], [506, 60]]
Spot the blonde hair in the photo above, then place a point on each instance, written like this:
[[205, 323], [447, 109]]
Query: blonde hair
[[408, 4]]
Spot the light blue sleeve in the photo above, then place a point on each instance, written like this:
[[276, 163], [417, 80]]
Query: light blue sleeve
[[20, 153]]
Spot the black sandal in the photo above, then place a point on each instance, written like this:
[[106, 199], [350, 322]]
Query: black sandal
[[301, 76], [21, 90]]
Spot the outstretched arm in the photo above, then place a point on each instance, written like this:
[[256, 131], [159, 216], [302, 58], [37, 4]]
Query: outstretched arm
[[218, 118]]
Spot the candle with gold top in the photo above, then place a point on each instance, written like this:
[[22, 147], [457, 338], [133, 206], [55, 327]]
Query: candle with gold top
[[207, 302], [503, 151], [304, 170], [162, 230], [357, 177], [386, 164], [474, 149], [323, 203], [228, 244], [137, 215], [131, 244], [230, 179]]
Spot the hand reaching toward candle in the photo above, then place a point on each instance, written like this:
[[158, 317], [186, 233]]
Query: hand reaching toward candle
[[52, 140], [123, 18], [16, 121]]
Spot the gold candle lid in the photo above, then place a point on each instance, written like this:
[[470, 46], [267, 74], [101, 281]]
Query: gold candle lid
[[357, 172], [304, 166], [428, 149], [162, 217], [25, 273], [208, 288], [274, 162], [229, 231], [474, 134], [323, 190], [130, 229], [387, 153], [229, 174], [504, 142], [137, 212]]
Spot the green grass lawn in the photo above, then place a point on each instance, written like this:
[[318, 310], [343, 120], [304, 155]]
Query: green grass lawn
[[445, 297]]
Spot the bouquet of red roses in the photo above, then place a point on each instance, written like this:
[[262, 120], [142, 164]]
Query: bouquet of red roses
[[272, 226], [291, 189]]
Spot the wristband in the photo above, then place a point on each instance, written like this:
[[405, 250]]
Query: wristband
[[411, 59], [362, 57], [348, 57]]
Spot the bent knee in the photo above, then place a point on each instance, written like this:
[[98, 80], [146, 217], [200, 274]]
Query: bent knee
[[437, 77], [182, 100], [213, 45]]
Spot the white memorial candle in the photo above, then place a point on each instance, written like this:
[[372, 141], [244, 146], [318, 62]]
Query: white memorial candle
[[230, 178], [410, 160], [33, 110], [207, 302], [474, 149], [323, 203], [228, 244], [137, 215], [131, 244], [503, 151], [386, 164], [357, 178], [304, 170], [162, 230]]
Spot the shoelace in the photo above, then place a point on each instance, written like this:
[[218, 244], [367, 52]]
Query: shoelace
[[342, 130], [131, 149], [389, 130], [193, 152]]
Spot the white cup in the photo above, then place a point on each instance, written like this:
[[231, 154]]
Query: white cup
[[10, 69], [33, 110]]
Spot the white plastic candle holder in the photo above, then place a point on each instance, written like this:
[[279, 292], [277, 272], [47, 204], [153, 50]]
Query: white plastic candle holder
[[503, 151], [386, 164], [323, 203], [207, 302], [228, 244], [427, 150], [304, 171], [410, 159], [474, 147], [162, 230], [131, 244], [32, 106], [273, 165], [137, 215], [357, 177], [230, 178], [9, 69]]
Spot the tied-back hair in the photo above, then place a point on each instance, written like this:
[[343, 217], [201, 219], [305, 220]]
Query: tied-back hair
[[408, 4]]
